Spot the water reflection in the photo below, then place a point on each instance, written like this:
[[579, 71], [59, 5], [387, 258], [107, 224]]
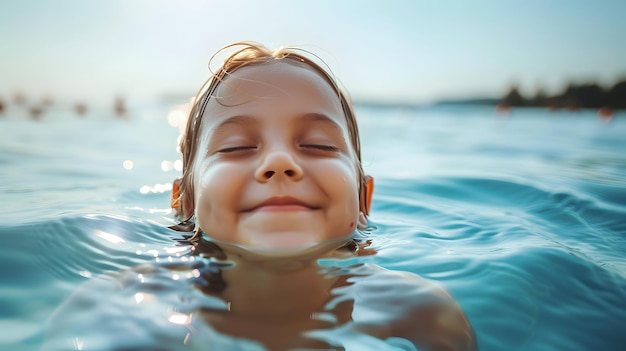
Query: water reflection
[[109, 237], [212, 295], [179, 318], [326, 299]]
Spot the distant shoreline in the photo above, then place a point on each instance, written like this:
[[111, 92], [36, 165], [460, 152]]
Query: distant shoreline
[[573, 98]]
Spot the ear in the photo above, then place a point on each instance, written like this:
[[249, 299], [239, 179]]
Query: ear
[[178, 203], [175, 200], [367, 192]]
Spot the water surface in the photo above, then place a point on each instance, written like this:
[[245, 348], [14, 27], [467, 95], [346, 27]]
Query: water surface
[[520, 217]]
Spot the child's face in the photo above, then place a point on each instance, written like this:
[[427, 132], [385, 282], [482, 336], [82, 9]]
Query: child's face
[[275, 168]]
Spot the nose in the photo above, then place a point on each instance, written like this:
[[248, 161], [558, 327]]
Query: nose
[[278, 164]]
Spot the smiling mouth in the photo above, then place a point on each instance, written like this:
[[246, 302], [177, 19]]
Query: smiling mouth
[[282, 204], [281, 208]]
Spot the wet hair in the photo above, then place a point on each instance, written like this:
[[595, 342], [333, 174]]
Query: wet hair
[[248, 54]]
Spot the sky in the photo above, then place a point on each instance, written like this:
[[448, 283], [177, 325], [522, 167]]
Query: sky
[[407, 51]]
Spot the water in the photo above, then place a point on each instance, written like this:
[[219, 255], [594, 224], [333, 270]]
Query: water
[[521, 218]]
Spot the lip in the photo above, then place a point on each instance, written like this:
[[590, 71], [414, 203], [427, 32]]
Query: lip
[[282, 203]]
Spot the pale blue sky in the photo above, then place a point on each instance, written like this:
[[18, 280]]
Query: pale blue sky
[[413, 51]]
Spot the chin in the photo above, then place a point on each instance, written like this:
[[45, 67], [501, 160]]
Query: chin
[[281, 240], [285, 244]]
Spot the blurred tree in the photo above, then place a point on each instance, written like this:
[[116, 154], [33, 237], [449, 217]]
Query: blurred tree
[[514, 98], [616, 96]]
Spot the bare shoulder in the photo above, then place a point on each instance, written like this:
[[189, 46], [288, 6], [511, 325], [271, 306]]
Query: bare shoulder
[[402, 304], [147, 307]]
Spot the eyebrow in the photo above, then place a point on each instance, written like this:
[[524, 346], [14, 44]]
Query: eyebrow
[[242, 120], [320, 117]]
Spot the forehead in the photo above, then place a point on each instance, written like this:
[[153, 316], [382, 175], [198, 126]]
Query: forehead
[[277, 86]]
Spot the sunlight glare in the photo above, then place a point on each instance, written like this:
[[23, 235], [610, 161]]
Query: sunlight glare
[[139, 297], [177, 117], [109, 237], [78, 344], [179, 318], [178, 165], [157, 188], [166, 166], [128, 164], [86, 274], [173, 250]]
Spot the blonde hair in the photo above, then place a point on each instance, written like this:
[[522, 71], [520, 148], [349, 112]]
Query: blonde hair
[[252, 54]]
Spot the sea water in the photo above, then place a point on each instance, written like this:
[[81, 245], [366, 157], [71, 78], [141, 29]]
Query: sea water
[[521, 216]]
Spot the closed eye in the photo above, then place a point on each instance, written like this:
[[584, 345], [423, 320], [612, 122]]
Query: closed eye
[[236, 148], [320, 147]]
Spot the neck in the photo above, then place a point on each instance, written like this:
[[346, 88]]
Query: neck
[[278, 286]]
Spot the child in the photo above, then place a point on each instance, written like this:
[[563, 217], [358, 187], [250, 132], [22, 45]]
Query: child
[[272, 182], [272, 168]]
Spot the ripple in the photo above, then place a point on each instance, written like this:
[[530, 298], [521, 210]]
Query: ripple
[[520, 257]]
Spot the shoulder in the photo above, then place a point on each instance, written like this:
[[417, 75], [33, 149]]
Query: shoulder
[[150, 305], [403, 304]]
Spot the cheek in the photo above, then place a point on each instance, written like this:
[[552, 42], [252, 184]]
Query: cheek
[[341, 185], [216, 188], [346, 214], [216, 176], [205, 198]]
